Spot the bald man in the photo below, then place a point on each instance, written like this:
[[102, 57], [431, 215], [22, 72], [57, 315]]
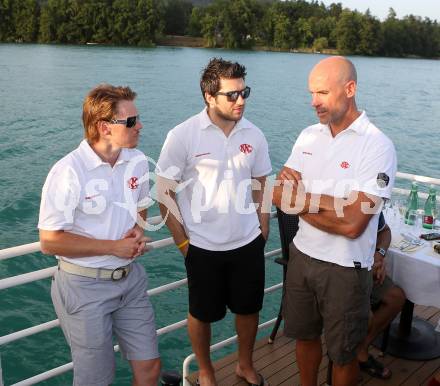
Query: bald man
[[336, 179]]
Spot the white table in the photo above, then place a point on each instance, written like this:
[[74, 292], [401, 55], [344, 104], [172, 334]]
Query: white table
[[418, 274]]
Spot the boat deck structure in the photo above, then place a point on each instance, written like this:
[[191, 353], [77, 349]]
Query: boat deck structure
[[277, 363]]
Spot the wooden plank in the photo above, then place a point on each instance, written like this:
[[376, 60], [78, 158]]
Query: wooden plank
[[424, 373], [402, 369], [277, 363]]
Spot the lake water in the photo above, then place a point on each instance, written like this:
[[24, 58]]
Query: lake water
[[41, 91]]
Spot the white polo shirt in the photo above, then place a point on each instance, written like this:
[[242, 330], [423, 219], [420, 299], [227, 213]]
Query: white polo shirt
[[86, 196], [360, 158], [215, 173]]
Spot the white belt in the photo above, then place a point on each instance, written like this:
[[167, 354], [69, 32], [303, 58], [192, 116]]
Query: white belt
[[96, 273]]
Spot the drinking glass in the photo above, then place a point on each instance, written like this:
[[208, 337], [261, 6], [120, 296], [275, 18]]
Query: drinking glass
[[412, 220], [434, 216], [419, 220]]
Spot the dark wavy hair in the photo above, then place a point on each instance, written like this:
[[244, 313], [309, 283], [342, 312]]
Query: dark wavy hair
[[219, 68]]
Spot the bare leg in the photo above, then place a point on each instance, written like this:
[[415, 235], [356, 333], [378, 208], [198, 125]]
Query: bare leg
[[347, 375], [391, 305], [308, 357], [246, 326], [145, 373], [200, 336]]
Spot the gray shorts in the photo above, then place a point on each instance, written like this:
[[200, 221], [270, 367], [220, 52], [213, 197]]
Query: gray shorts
[[91, 310], [379, 291], [321, 295]]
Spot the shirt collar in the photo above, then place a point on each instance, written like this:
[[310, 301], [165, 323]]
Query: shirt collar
[[93, 161], [206, 122], [359, 125]]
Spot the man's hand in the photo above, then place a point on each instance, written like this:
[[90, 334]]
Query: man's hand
[[265, 233], [379, 271], [136, 235], [287, 174]]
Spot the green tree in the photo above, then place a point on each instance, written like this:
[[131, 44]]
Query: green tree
[[25, 16], [195, 21], [347, 30], [177, 14], [239, 23], [320, 44], [7, 29], [393, 35], [150, 16], [282, 35], [369, 35]]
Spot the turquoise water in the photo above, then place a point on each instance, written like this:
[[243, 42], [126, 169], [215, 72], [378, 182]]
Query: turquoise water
[[41, 92]]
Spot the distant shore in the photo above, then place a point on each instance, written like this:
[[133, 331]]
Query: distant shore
[[197, 42]]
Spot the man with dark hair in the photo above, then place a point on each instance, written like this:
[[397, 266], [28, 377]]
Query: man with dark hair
[[336, 178], [99, 289], [387, 300], [217, 162]]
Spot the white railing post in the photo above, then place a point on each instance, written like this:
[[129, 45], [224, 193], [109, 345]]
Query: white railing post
[[1, 372]]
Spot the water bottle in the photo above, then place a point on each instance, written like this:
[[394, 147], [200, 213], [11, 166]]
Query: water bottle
[[412, 204], [430, 208]]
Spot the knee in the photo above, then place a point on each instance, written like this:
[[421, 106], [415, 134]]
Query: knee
[[147, 372], [395, 298]]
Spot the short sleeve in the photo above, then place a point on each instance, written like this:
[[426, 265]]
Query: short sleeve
[[59, 199], [145, 200], [295, 159], [377, 170], [172, 159], [262, 165]]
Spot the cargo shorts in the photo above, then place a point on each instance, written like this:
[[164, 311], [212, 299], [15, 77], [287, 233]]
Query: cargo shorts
[[325, 296], [91, 311]]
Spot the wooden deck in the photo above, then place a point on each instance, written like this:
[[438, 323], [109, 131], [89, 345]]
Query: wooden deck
[[277, 362]]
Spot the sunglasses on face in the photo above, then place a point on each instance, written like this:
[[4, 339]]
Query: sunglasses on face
[[129, 122], [232, 96]]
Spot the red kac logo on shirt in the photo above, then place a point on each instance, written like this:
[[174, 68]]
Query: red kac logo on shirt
[[246, 148], [345, 165], [133, 183]]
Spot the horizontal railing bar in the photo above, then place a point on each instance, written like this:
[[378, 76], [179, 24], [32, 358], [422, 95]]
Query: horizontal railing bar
[[25, 278], [46, 375], [25, 249], [28, 332], [415, 177], [29, 277], [19, 250]]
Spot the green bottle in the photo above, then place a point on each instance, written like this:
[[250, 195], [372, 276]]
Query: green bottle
[[412, 204], [430, 207]]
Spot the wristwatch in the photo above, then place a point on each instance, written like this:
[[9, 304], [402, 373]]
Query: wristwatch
[[381, 251]]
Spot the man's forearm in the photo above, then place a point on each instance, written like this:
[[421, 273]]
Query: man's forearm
[[72, 245], [263, 203], [169, 209], [174, 225]]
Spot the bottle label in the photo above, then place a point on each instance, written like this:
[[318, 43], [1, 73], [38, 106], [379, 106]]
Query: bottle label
[[428, 220]]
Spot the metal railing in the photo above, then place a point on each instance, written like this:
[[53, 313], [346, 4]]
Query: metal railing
[[13, 281]]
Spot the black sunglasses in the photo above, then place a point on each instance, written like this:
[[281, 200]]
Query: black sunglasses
[[232, 96], [129, 122]]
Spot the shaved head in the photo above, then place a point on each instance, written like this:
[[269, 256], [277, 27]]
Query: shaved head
[[332, 84], [337, 68]]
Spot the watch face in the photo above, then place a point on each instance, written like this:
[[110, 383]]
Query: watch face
[[381, 251]]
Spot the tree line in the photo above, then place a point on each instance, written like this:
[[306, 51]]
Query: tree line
[[286, 25]]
